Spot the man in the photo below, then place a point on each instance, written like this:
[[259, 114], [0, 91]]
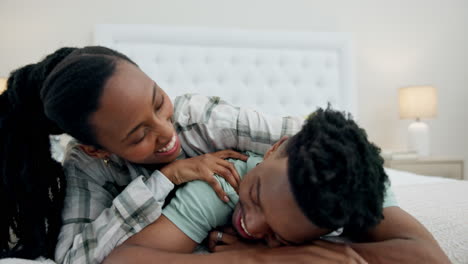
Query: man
[[325, 177]]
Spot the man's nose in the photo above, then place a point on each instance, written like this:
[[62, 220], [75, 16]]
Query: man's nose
[[257, 226], [272, 241]]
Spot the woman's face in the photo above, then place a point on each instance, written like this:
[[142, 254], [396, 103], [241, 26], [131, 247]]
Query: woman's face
[[133, 119]]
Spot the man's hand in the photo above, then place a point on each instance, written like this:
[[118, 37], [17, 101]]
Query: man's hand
[[226, 239], [318, 251]]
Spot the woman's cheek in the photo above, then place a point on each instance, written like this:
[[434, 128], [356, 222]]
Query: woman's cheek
[[169, 109], [141, 152]]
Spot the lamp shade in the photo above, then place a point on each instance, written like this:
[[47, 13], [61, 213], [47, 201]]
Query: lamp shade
[[418, 102], [3, 84]]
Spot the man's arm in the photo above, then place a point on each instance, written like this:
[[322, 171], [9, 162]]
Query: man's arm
[[400, 238], [156, 244], [163, 235], [134, 254], [188, 218]]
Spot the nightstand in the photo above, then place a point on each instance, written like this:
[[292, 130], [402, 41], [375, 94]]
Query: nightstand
[[431, 166]]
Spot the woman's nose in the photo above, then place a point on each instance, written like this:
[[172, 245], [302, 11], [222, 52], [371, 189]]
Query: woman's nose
[[163, 129]]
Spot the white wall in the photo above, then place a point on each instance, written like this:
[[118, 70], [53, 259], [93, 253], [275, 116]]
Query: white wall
[[397, 43]]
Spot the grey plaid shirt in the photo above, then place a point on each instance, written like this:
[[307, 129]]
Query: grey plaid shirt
[[106, 204]]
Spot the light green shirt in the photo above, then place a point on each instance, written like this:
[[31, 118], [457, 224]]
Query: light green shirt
[[196, 209]]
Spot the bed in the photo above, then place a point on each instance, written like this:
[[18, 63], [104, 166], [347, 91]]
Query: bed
[[281, 73]]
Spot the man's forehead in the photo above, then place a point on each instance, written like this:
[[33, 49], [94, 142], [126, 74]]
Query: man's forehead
[[273, 174], [281, 151], [280, 204], [277, 167]]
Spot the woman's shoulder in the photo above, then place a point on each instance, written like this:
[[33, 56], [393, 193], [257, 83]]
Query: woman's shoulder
[[75, 155], [79, 166], [189, 101], [196, 108]]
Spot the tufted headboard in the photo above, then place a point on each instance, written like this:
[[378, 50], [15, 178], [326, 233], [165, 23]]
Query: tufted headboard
[[281, 73]]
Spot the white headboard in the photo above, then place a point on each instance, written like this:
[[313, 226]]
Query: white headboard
[[282, 73]]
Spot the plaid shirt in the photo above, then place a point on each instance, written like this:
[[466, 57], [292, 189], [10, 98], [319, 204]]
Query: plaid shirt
[[106, 204]]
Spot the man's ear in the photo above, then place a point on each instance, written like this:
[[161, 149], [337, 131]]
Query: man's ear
[[95, 152], [275, 147]]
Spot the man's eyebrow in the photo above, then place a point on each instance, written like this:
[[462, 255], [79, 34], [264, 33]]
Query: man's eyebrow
[[139, 125]]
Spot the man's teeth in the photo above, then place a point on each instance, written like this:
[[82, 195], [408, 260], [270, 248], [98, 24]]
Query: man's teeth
[[245, 228], [169, 146]]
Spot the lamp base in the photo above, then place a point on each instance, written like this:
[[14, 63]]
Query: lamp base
[[418, 138]]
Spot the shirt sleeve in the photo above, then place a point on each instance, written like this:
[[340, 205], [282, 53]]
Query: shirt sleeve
[[97, 218], [196, 209], [389, 199], [208, 124]]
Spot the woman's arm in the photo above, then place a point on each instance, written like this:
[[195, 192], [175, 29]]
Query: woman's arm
[[97, 217], [95, 222], [208, 124]]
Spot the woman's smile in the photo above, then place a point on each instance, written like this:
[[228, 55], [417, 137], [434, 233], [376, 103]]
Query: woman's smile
[[170, 148]]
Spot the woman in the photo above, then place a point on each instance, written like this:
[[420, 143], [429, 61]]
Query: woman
[[134, 144]]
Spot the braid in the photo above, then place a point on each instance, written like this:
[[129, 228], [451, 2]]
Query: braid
[[32, 187], [56, 95]]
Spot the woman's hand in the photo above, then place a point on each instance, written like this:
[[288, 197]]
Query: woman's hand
[[204, 167]]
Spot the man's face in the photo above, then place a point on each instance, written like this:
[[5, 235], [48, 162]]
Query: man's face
[[267, 209]]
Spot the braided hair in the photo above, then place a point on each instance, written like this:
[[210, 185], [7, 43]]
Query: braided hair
[[54, 96], [336, 174]]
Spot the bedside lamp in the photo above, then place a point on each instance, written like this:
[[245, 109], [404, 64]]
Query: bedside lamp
[[417, 102], [3, 84]]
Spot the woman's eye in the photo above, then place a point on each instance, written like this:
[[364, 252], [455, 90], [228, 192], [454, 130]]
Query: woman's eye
[[160, 105], [140, 139]]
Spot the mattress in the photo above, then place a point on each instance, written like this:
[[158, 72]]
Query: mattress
[[443, 209]]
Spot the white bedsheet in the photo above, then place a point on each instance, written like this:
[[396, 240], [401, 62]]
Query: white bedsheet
[[25, 261], [443, 209], [399, 178]]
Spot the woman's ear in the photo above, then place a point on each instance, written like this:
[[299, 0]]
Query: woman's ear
[[95, 152]]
